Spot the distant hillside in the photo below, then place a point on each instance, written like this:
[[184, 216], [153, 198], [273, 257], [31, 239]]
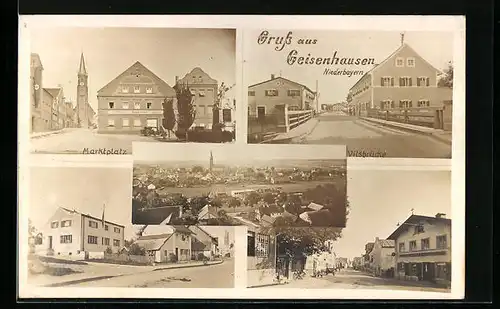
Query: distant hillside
[[254, 163]]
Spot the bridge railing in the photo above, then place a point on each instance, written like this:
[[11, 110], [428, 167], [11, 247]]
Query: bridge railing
[[294, 119]]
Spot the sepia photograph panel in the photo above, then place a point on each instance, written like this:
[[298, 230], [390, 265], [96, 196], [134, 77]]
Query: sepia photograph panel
[[398, 237], [80, 235], [381, 93], [264, 185], [96, 90]]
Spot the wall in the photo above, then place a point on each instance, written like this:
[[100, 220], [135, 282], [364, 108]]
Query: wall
[[59, 248], [100, 232], [256, 275]]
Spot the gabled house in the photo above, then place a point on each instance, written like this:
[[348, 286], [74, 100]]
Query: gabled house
[[382, 257], [207, 212], [403, 80], [58, 107], [423, 249], [203, 243], [167, 243]]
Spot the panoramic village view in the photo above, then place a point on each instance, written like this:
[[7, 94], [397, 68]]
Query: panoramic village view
[[84, 101], [292, 193], [397, 105], [89, 242], [378, 249]]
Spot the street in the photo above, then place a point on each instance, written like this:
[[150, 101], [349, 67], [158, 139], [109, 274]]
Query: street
[[353, 279], [74, 141], [359, 135], [210, 276]]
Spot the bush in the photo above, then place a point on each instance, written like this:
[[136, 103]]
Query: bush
[[172, 258], [201, 257], [108, 250]]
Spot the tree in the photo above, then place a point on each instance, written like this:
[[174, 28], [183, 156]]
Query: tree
[[197, 169], [221, 93], [447, 79], [135, 249], [252, 198], [185, 108], [293, 204], [197, 203], [216, 203], [234, 202], [141, 230], [269, 198], [168, 115]]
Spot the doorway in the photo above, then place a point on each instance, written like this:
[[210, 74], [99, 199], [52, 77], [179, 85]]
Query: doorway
[[428, 271], [50, 243]]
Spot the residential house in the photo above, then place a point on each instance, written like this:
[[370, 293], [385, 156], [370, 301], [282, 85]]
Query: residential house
[[155, 215], [72, 233], [205, 98], [167, 243], [383, 257], [367, 258], [321, 261], [274, 95], [423, 248], [203, 243], [40, 110], [56, 95], [207, 212], [401, 81], [133, 100]]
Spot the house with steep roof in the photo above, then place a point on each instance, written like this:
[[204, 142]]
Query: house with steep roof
[[133, 100], [403, 80], [79, 235], [58, 106], [203, 242], [167, 243], [276, 94], [382, 257]]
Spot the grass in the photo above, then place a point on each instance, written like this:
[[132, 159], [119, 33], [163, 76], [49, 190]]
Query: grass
[[107, 261], [54, 271], [49, 259]]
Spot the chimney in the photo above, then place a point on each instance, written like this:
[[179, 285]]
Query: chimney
[[272, 76], [440, 215], [176, 79]]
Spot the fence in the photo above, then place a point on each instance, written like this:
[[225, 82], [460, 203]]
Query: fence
[[294, 119], [123, 257], [432, 117]]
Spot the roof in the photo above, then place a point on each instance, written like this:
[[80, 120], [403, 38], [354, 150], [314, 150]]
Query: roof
[[290, 81], [163, 86], [182, 229], [54, 92], [267, 220], [323, 217], [270, 209], [387, 243], [202, 230], [82, 69], [315, 206], [413, 219], [156, 215], [404, 45], [35, 60], [198, 71], [89, 216], [197, 245], [153, 242]]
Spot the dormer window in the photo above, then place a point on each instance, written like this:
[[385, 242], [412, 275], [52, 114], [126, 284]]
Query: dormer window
[[400, 62], [124, 89], [137, 89], [137, 105], [125, 105], [149, 89]]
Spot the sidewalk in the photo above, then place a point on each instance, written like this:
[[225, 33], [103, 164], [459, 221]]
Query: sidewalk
[[47, 133], [296, 133], [440, 135], [98, 271]]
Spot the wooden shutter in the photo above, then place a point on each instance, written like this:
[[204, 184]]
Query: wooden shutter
[[392, 81], [409, 81], [382, 81], [427, 81], [418, 81]]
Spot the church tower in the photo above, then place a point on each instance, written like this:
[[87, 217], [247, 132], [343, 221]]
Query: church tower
[[82, 95], [211, 161]]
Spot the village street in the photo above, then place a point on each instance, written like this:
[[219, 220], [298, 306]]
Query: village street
[[352, 279], [359, 135], [74, 141], [209, 276]]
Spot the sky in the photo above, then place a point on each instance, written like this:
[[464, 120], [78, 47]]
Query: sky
[[380, 199], [84, 189], [234, 153], [260, 61], [110, 51]]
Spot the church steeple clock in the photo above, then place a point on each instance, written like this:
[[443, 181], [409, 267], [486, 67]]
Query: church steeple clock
[[82, 94]]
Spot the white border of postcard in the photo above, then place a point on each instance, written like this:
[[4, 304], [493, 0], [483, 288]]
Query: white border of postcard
[[456, 24]]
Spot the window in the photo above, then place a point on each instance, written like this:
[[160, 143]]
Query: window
[[125, 89], [402, 247], [251, 244], [405, 82], [125, 122], [201, 92], [262, 245], [137, 122], [65, 223], [193, 91], [66, 239], [443, 271], [137, 105], [271, 93], [418, 229], [423, 81], [387, 81], [251, 93], [387, 104], [105, 241], [116, 242], [149, 89], [405, 104], [111, 122], [111, 105], [413, 245], [425, 244], [441, 242], [400, 62], [293, 93], [54, 225], [410, 62], [423, 103], [226, 115], [117, 230], [106, 227], [92, 239], [125, 105], [93, 224], [137, 89], [148, 105]]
